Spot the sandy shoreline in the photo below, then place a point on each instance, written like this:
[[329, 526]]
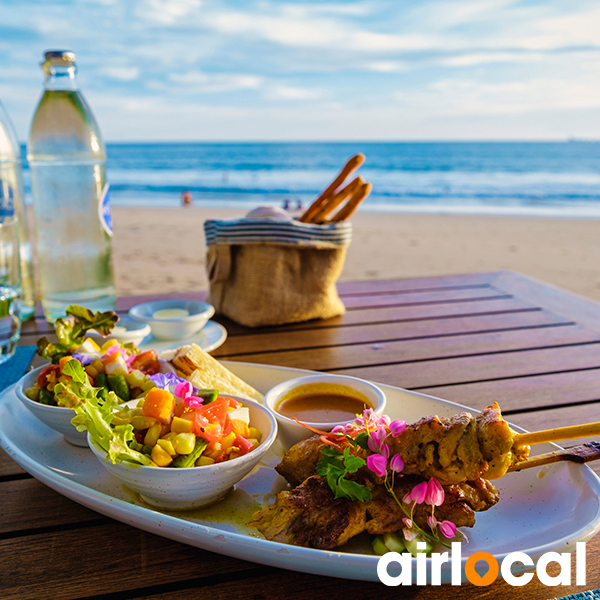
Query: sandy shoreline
[[163, 249]]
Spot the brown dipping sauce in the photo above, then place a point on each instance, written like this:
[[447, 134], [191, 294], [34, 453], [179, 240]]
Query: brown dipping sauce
[[322, 407]]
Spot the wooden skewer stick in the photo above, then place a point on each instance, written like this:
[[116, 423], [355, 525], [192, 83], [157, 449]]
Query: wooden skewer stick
[[579, 454], [348, 209], [350, 166], [559, 433], [331, 203]]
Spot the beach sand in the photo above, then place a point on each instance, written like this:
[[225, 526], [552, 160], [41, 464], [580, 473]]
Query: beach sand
[[162, 250]]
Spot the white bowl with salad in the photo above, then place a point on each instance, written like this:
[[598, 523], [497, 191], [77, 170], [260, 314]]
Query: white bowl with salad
[[109, 366], [180, 462]]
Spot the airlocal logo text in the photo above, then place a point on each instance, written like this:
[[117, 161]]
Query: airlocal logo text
[[405, 560]]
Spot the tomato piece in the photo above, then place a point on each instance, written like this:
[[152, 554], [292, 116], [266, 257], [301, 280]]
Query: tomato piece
[[42, 378], [211, 419], [144, 359]]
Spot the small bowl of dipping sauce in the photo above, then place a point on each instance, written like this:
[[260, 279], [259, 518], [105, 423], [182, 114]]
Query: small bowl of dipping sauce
[[173, 319], [322, 402]]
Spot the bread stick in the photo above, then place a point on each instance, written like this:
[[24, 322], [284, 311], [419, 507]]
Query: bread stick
[[331, 203], [352, 204], [350, 166]]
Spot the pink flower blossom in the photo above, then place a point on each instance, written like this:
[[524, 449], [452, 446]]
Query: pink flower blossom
[[397, 427], [419, 492], [193, 402], [448, 529], [377, 443], [339, 429], [184, 389], [396, 464], [432, 522], [435, 493], [407, 499], [378, 464], [409, 534], [408, 522]]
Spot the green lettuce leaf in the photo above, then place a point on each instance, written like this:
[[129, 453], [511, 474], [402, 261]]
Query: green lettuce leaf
[[95, 416], [71, 331]]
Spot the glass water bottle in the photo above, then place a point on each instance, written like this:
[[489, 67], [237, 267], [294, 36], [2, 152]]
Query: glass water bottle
[[67, 161]]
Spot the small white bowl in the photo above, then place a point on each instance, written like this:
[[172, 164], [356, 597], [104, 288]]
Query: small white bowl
[[290, 432], [55, 417], [126, 330], [177, 327], [183, 489]]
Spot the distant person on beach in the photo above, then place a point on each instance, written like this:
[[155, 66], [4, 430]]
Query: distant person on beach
[[186, 198], [286, 205], [299, 205]]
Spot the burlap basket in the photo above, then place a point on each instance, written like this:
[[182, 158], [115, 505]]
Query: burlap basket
[[265, 272]]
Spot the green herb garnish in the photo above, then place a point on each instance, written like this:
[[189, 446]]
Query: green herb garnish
[[334, 466]]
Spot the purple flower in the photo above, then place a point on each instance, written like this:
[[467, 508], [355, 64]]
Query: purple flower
[[419, 492], [396, 464], [397, 427], [378, 464], [84, 359], [164, 380], [435, 493], [448, 529]]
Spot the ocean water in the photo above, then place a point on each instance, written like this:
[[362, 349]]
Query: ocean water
[[519, 178]]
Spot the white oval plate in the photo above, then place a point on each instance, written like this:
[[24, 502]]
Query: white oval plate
[[535, 514], [209, 338]]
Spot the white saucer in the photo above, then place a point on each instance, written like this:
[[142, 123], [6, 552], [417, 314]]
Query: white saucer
[[210, 337]]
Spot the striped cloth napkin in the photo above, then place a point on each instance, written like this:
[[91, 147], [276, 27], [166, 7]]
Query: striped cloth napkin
[[14, 368], [589, 595]]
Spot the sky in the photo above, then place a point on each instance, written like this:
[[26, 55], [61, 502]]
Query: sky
[[232, 70]]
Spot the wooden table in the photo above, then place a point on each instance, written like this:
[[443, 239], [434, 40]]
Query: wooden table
[[471, 338]]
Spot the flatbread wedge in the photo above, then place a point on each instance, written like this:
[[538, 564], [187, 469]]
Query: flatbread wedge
[[204, 371]]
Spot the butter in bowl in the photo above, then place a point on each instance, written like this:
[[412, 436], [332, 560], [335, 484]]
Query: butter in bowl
[[174, 319]]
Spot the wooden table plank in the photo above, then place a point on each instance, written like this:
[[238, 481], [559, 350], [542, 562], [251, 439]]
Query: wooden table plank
[[358, 356], [273, 341], [554, 390], [482, 368]]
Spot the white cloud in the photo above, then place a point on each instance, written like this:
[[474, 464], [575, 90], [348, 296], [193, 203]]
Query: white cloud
[[284, 92], [167, 12], [121, 73], [216, 82]]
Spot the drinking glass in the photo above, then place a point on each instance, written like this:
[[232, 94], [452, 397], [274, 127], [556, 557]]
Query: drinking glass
[[10, 288]]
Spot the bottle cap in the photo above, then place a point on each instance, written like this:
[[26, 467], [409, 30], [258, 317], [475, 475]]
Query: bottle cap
[[57, 58]]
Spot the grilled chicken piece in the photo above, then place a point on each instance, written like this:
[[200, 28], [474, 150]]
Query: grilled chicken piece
[[461, 502], [451, 449], [310, 516], [300, 461]]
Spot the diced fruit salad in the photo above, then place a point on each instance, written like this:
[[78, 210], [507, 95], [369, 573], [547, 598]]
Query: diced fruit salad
[[178, 429], [173, 425], [122, 369]]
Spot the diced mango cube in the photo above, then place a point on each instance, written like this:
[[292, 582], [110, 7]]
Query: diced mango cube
[[240, 427], [153, 434], [179, 425], [254, 433], [107, 345], [159, 404]]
